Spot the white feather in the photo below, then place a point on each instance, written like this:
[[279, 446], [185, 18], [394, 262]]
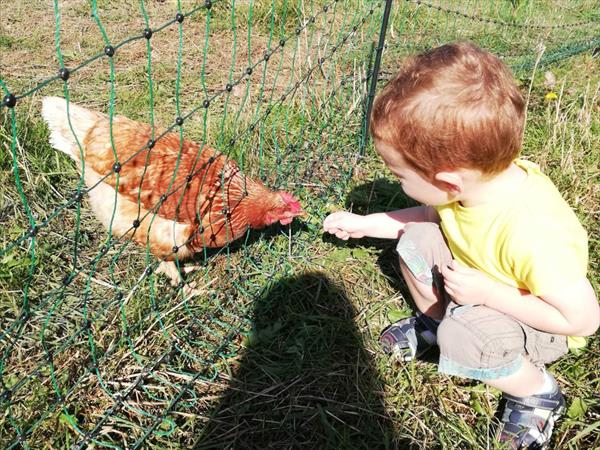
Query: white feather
[[68, 125]]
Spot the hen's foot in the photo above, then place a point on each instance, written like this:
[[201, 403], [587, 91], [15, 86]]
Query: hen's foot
[[170, 269]]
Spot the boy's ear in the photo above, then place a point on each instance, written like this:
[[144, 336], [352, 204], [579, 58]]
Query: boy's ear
[[451, 182]]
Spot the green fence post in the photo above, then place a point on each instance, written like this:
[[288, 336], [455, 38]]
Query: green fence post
[[374, 75]]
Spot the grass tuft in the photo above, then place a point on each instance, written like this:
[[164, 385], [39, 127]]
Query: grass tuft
[[281, 350]]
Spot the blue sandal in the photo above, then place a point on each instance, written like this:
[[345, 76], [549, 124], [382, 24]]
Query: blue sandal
[[409, 338], [528, 422]]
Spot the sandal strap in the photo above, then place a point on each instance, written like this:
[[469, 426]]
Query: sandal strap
[[550, 400], [528, 422], [409, 337], [534, 402], [430, 324], [516, 418]]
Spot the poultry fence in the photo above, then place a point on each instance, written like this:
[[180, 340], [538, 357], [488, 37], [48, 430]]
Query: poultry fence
[[96, 349]]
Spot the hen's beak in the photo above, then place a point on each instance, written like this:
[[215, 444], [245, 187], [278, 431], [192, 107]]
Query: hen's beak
[[288, 216]]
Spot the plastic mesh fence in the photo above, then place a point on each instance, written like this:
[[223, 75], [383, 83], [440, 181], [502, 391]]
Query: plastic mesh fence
[[90, 338]]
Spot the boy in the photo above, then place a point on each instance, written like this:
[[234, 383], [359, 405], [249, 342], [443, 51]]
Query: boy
[[495, 260]]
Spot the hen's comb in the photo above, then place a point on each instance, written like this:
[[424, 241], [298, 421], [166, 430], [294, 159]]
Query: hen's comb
[[292, 202]]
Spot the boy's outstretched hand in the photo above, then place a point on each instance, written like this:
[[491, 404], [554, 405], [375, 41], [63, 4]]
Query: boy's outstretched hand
[[345, 225], [467, 286]]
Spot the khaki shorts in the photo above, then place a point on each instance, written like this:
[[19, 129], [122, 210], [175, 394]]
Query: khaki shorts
[[475, 341]]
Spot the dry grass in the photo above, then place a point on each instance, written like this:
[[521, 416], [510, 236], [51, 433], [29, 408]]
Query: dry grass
[[281, 351]]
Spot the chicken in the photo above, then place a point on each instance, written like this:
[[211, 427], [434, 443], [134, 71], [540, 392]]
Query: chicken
[[174, 196]]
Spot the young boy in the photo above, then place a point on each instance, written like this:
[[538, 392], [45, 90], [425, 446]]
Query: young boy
[[495, 259]]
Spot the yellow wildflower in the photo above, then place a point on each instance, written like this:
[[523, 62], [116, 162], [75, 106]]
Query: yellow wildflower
[[551, 96]]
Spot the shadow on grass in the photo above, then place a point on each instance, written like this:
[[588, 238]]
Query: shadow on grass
[[305, 379], [379, 195], [382, 195], [252, 236]]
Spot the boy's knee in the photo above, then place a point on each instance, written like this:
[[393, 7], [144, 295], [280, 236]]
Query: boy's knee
[[420, 234], [476, 348], [458, 341], [421, 247]]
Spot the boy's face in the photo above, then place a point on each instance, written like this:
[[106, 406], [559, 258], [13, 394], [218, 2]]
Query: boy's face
[[413, 183]]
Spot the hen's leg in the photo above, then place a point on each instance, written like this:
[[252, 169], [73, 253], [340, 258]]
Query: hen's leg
[[169, 268]]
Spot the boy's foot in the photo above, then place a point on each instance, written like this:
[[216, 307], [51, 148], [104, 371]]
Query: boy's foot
[[528, 422], [410, 337]]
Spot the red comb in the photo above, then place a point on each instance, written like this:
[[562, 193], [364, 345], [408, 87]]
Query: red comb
[[291, 201]]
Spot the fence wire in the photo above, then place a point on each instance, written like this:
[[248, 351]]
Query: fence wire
[[91, 338]]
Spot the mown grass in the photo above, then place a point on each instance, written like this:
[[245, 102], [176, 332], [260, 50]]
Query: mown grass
[[281, 351]]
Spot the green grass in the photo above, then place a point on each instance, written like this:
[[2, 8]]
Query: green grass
[[281, 351]]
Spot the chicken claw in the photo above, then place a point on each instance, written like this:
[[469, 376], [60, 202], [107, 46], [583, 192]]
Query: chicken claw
[[169, 268]]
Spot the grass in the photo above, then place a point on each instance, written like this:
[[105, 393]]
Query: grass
[[281, 351]]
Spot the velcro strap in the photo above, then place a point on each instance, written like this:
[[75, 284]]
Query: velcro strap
[[428, 322], [534, 401]]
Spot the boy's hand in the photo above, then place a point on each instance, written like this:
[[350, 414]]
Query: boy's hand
[[345, 225], [467, 286]]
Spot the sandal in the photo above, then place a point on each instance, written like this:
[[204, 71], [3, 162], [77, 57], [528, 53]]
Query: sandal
[[527, 422], [409, 338]]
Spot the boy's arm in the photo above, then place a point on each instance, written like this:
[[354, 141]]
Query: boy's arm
[[387, 225], [572, 311]]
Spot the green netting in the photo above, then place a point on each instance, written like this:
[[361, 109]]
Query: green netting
[[91, 338]]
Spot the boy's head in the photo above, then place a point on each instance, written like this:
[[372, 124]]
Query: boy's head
[[453, 107]]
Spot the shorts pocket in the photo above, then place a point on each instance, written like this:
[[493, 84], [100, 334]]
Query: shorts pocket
[[454, 309], [543, 348]]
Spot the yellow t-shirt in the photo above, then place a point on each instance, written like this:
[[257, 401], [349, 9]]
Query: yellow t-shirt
[[530, 240]]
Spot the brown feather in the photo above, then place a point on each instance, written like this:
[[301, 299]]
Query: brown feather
[[219, 200], [177, 193]]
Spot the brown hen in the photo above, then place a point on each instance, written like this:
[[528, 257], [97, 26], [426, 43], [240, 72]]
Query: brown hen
[[172, 195]]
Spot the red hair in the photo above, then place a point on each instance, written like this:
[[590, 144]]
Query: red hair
[[456, 106]]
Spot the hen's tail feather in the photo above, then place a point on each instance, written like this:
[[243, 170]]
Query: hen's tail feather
[[65, 136]]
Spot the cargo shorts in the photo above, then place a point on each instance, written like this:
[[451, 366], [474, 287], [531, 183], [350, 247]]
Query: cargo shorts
[[475, 341]]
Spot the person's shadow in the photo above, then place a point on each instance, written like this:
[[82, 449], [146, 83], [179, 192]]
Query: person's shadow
[[305, 379]]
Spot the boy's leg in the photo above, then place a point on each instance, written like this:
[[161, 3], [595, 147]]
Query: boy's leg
[[495, 348], [426, 299], [526, 381], [528, 420], [422, 250], [481, 343], [510, 356]]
